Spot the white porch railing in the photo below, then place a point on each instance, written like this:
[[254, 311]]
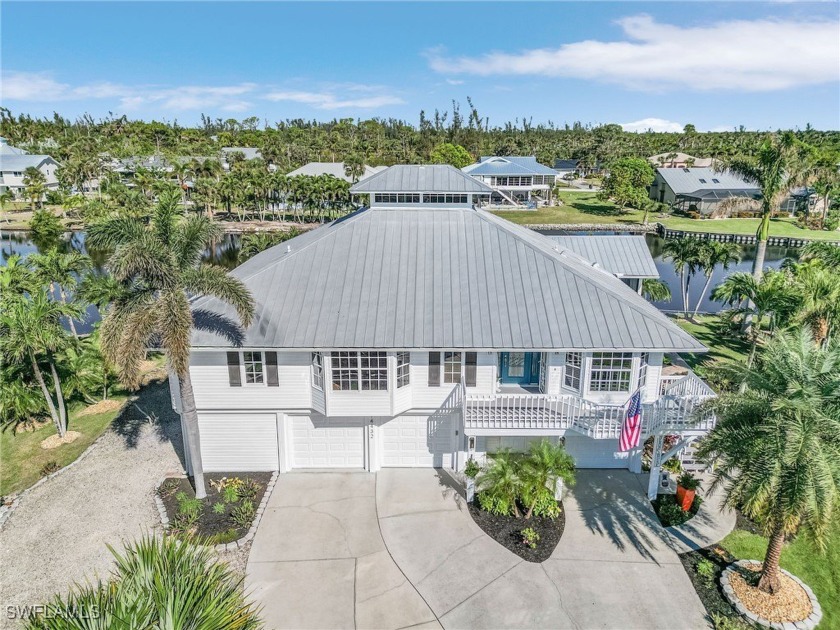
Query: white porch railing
[[673, 412]]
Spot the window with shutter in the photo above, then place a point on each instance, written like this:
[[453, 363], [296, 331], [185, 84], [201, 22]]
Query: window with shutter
[[434, 369], [234, 375], [272, 377], [470, 363]]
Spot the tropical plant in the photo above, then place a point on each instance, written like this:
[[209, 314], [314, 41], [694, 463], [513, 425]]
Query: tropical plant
[[354, 166], [656, 290], [780, 164], [818, 289], [827, 253], [243, 513], [501, 484], [61, 272], [46, 228], [546, 463], [530, 537], [30, 330], [685, 255], [253, 244], [710, 254], [21, 402], [628, 182], [472, 468], [448, 153], [35, 185], [159, 266], [156, 583], [775, 449]]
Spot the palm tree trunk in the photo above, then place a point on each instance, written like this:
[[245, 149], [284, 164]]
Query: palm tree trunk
[[758, 263], [770, 581], [190, 416], [69, 319], [42, 384], [62, 410], [684, 288], [702, 295]]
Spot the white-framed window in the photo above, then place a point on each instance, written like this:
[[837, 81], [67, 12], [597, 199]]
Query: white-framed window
[[318, 370], [611, 372], [345, 370], [374, 370], [451, 367], [644, 359], [403, 369], [254, 367], [441, 198], [571, 376]]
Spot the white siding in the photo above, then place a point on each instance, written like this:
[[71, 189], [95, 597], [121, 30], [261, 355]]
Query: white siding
[[591, 453], [212, 388], [418, 441], [425, 397], [233, 442]]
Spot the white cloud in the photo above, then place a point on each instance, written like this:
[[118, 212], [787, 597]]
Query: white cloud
[[739, 55], [329, 99], [652, 124], [42, 87], [454, 81]]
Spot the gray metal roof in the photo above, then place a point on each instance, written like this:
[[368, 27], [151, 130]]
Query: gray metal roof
[[336, 169], [622, 255], [434, 278], [18, 162], [508, 165], [249, 153], [687, 180], [441, 178]]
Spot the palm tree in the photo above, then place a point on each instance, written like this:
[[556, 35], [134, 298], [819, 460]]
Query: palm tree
[[61, 272], [684, 254], [546, 463], [157, 583], [160, 268], [819, 292], [776, 446], [354, 166], [827, 253], [779, 166], [773, 297], [30, 330], [502, 481], [656, 290], [711, 254], [35, 183]]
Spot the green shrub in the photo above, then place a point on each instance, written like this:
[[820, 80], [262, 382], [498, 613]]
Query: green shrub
[[229, 535], [249, 489], [688, 481], [673, 465], [546, 505], [243, 513], [156, 583], [724, 622], [49, 468], [230, 494], [189, 507], [495, 504], [707, 570], [168, 487], [530, 537], [672, 514], [472, 468], [45, 224], [219, 508]]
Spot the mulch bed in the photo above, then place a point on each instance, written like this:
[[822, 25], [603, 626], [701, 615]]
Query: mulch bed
[[215, 527], [708, 587], [790, 604], [505, 530]]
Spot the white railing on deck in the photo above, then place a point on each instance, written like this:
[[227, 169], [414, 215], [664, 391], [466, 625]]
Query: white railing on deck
[[673, 412]]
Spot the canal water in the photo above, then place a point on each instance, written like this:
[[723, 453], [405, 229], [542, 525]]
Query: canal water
[[226, 252]]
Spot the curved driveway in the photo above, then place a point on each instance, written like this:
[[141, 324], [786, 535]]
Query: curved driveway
[[399, 549]]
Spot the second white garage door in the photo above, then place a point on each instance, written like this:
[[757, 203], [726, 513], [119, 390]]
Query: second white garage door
[[591, 453], [319, 442], [418, 442], [232, 442]]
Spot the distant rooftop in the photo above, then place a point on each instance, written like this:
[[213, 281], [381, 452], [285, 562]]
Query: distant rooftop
[[336, 169], [688, 181], [508, 165], [250, 153], [430, 178]]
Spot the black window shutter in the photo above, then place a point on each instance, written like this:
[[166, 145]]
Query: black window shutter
[[470, 361], [271, 369], [434, 369], [234, 375]]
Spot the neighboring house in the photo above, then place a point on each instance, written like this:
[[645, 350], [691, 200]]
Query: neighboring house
[[679, 160], [515, 180], [566, 169], [626, 257], [417, 335], [336, 169], [701, 190], [13, 165]]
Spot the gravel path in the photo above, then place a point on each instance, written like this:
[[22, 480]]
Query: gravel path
[[58, 534]]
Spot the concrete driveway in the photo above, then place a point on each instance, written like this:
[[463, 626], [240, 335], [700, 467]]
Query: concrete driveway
[[399, 549]]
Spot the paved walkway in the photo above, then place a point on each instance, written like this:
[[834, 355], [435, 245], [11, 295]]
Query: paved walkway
[[399, 549], [57, 536], [710, 525]]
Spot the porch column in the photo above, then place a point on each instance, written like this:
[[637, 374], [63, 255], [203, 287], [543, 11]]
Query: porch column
[[655, 466]]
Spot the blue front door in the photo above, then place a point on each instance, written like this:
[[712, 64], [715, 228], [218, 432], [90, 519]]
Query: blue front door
[[518, 367]]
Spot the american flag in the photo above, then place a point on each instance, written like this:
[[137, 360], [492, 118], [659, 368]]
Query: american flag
[[631, 429]]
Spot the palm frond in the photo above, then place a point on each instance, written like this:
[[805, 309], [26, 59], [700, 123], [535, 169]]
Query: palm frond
[[215, 281]]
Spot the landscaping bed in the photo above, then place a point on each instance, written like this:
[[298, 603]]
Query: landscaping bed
[[704, 568], [507, 531], [227, 512], [670, 513]]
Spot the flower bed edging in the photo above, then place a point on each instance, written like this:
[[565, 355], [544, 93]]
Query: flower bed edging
[[806, 624], [236, 544]]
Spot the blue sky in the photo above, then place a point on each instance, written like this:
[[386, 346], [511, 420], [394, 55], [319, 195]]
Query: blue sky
[[660, 64]]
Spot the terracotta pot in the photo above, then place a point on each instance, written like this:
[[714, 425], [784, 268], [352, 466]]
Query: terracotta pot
[[685, 498]]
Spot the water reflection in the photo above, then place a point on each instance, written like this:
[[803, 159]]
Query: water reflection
[[225, 252]]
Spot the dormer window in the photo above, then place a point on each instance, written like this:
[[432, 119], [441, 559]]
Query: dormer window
[[702, 181], [716, 181]]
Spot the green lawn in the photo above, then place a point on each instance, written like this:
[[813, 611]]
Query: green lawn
[[22, 458], [585, 207], [712, 332], [801, 557]]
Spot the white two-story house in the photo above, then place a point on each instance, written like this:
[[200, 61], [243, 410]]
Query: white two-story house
[[515, 180], [13, 165], [420, 332]]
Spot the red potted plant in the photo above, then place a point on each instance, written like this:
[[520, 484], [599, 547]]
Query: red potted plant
[[687, 486]]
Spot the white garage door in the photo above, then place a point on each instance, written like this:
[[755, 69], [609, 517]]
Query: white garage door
[[418, 441], [233, 442], [321, 442], [591, 453]]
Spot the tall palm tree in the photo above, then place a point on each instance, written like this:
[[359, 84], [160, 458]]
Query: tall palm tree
[[160, 268], [772, 297], [655, 290], [35, 182], [684, 252], [776, 446], [61, 272], [819, 292], [710, 255], [780, 165], [30, 330]]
